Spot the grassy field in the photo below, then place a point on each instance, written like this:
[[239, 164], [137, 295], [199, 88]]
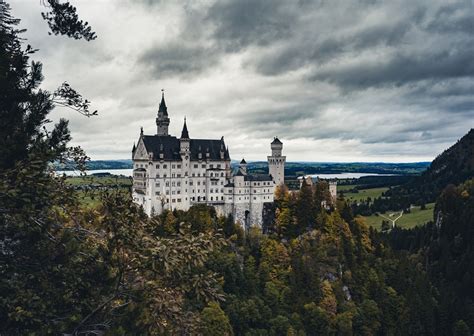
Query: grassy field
[[408, 220], [107, 180], [90, 196], [363, 193], [345, 187]]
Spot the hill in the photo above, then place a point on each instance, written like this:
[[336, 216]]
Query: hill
[[454, 166]]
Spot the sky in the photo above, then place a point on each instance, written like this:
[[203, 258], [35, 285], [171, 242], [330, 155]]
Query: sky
[[341, 81]]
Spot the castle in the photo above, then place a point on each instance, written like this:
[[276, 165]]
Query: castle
[[177, 173]]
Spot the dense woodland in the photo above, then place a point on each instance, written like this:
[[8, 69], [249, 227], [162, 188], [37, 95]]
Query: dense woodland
[[67, 269]]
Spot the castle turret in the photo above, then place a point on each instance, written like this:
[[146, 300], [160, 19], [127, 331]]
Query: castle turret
[[276, 162], [184, 141], [185, 152], [243, 167], [162, 120]]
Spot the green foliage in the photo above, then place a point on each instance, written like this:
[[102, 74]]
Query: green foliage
[[214, 321]]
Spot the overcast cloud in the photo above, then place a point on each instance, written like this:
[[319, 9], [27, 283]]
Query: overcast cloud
[[335, 80]]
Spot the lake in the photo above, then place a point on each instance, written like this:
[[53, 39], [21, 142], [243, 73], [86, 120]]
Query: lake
[[347, 175], [125, 172], [129, 172]]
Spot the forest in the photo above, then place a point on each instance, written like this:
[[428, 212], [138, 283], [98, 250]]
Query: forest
[[111, 270]]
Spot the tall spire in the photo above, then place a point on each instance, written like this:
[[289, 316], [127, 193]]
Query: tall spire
[[184, 132], [163, 109], [162, 120]]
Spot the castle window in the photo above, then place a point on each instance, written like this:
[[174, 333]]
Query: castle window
[[190, 183], [179, 166], [192, 174], [178, 192], [157, 175], [157, 193], [199, 182], [157, 166], [222, 198], [157, 184], [173, 175], [167, 192], [179, 175], [219, 165], [164, 175], [195, 166], [173, 200], [212, 198], [173, 166], [203, 166], [167, 184], [164, 166], [255, 198], [178, 184], [173, 184], [173, 192]]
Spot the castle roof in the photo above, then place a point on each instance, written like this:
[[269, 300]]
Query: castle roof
[[276, 141], [184, 132], [170, 147], [163, 107], [239, 173], [258, 177], [243, 161]]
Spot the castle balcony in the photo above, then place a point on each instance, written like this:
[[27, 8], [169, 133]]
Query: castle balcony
[[139, 181]]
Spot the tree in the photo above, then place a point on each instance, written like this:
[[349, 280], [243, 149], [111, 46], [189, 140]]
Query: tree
[[62, 19], [461, 329], [305, 213], [214, 321]]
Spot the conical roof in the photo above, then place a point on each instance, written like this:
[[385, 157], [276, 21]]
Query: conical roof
[[184, 132], [163, 109], [276, 141]]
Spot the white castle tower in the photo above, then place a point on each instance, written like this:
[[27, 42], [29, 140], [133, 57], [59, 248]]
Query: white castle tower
[[276, 162]]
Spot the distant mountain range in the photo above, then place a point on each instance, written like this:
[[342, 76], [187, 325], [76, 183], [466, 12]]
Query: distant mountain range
[[291, 168]]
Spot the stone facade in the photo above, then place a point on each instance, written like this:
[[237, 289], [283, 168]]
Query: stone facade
[[176, 173], [276, 162]]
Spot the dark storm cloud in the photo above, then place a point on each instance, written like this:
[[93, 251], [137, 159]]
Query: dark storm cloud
[[239, 24], [402, 68], [366, 79], [177, 59]]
